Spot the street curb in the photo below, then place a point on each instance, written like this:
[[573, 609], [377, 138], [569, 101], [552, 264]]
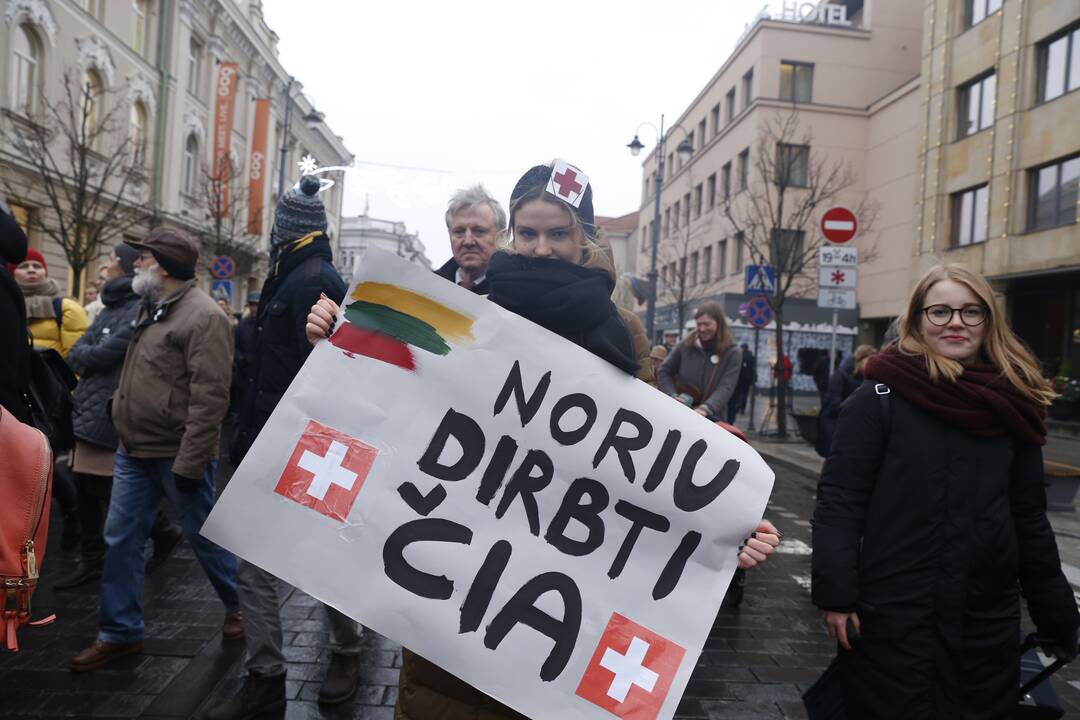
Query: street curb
[[792, 466]]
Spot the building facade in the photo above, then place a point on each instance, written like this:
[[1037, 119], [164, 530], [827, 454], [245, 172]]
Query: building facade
[[845, 81], [957, 121], [999, 160], [619, 236], [360, 232], [164, 66]]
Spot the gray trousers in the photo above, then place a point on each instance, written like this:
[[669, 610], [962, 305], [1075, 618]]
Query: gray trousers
[[261, 597]]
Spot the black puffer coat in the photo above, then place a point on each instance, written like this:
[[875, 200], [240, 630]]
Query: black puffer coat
[[300, 275], [931, 535], [15, 356], [98, 358]]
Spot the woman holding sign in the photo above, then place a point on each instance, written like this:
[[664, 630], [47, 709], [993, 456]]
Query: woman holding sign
[[931, 515], [554, 274]]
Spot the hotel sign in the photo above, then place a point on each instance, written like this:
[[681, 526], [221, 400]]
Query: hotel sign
[[811, 12]]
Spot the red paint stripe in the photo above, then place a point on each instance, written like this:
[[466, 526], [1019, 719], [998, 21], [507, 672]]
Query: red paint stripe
[[356, 341]]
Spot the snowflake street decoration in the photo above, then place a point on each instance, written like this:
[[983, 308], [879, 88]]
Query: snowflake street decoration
[[308, 165]]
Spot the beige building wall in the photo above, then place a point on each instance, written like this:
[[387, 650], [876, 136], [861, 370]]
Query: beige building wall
[[1034, 270], [863, 114]]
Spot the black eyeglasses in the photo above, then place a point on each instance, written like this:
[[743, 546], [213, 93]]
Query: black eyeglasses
[[970, 315]]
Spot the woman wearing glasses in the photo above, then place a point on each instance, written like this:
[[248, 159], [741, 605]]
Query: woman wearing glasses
[[931, 515]]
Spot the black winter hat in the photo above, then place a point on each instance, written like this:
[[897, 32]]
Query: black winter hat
[[538, 176], [127, 256], [299, 212]]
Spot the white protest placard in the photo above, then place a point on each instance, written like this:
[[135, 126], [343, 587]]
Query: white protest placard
[[512, 508]]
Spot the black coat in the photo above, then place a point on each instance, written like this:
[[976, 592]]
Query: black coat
[[449, 272], [281, 344], [15, 356], [931, 535], [98, 358], [842, 384]]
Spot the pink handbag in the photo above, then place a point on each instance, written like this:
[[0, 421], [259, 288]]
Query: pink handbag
[[26, 467]]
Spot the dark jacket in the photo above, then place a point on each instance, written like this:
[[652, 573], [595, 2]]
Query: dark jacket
[[15, 357], [174, 388], [98, 358], [246, 335], [688, 364], [931, 535], [449, 272], [842, 384], [281, 346]]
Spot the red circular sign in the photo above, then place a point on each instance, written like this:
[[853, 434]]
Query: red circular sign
[[838, 225]]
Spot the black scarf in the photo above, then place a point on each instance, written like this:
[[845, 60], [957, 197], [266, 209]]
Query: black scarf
[[567, 299], [285, 258], [116, 291]]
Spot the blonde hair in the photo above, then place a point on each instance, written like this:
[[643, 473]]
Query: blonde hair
[[862, 354], [1001, 347], [593, 255]]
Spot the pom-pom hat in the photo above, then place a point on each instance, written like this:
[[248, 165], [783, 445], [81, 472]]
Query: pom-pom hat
[[299, 212]]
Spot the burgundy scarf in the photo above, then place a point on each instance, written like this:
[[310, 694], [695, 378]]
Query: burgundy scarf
[[981, 401]]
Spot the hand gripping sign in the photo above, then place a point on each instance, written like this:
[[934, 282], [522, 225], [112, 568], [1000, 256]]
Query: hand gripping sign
[[497, 499]]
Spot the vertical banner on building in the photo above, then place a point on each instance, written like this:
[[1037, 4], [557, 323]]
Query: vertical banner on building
[[258, 166], [223, 119]]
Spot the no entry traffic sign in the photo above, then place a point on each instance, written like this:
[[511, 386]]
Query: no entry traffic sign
[[838, 225]]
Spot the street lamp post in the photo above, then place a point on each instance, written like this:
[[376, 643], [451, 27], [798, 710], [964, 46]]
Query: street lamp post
[[685, 150]]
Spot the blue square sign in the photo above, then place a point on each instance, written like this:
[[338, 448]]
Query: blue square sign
[[760, 280]]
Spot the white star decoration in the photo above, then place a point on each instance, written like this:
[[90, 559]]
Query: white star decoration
[[308, 165]]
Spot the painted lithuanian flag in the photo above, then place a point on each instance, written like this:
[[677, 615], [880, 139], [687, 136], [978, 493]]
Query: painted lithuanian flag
[[385, 322]]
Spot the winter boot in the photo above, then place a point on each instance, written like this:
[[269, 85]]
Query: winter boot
[[341, 679], [259, 694]]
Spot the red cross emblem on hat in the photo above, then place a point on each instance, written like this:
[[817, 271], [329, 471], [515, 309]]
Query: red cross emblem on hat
[[631, 671], [326, 470], [567, 182]]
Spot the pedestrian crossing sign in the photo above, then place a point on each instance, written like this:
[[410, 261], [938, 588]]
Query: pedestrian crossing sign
[[760, 280]]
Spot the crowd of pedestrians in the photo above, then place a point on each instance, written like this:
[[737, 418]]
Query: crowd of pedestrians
[[930, 521]]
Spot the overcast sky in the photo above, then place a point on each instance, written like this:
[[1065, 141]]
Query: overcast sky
[[433, 96]]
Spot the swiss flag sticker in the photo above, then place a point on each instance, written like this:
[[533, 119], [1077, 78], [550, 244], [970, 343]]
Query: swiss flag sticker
[[631, 671], [326, 470]]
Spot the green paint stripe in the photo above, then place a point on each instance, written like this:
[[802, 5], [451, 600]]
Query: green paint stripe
[[406, 328]]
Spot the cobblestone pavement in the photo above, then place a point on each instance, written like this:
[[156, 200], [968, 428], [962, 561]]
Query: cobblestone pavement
[[757, 662]]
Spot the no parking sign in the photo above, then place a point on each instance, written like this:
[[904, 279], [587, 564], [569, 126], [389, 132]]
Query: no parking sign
[[758, 312]]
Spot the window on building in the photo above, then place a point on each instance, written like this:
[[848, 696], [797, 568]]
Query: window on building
[[195, 61], [141, 16], [91, 102], [744, 169], [976, 105], [740, 250], [645, 189], [690, 140], [976, 11], [730, 102], [715, 119], [1054, 194], [787, 249], [706, 265], [686, 209], [725, 181], [693, 269], [699, 193], [138, 133], [667, 221], [682, 277], [792, 165], [675, 213], [796, 81], [1059, 65], [26, 55], [191, 164], [711, 191], [721, 259], [701, 134], [95, 8], [24, 218], [970, 215], [646, 236], [670, 164], [747, 87]]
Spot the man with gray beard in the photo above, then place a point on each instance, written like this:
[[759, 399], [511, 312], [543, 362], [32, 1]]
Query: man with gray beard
[[168, 411]]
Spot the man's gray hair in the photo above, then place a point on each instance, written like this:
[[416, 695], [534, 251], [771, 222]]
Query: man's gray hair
[[472, 197]]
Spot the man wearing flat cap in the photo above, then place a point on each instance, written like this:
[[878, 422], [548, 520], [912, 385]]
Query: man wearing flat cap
[[168, 411]]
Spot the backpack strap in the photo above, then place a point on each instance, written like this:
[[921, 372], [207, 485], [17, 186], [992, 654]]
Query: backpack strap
[[58, 308], [883, 391]]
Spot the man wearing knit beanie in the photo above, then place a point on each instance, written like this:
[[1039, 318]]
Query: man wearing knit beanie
[[302, 270], [181, 349]]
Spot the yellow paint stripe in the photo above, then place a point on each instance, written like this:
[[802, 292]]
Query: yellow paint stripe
[[450, 324]]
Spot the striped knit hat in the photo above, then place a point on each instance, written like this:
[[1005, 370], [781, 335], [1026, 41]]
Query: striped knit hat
[[299, 212]]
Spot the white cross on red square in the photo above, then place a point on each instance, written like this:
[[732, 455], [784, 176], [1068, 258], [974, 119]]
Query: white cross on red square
[[326, 470], [567, 182], [631, 671]]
